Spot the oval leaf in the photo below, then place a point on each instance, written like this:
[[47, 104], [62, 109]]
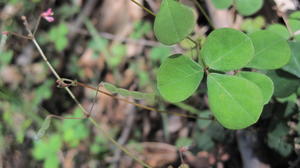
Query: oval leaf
[[227, 49], [173, 22], [271, 50], [262, 81], [236, 102], [280, 30], [248, 7], [293, 66], [178, 78], [222, 4]]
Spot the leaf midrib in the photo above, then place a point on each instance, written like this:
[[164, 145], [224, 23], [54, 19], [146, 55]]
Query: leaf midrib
[[267, 47], [229, 52], [219, 84]]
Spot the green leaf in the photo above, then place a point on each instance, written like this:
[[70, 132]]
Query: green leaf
[[271, 50], [276, 140], [295, 15], [178, 78], [284, 83], [6, 57], [293, 66], [173, 22], [44, 128], [61, 44], [52, 161], [248, 7], [74, 130], [253, 25], [222, 4], [204, 141], [291, 98], [54, 144], [58, 35], [216, 131], [280, 30], [141, 28], [262, 81], [159, 53], [236, 102], [295, 26], [47, 147], [149, 97], [183, 141], [227, 49]]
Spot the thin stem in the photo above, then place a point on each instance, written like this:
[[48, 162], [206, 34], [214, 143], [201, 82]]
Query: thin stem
[[37, 25], [197, 46], [146, 9], [94, 100], [65, 118], [49, 65], [140, 105], [203, 12], [118, 145], [57, 76], [76, 101], [198, 54]]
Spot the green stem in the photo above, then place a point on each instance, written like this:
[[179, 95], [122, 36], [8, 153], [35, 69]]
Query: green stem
[[203, 12], [146, 9], [198, 54]]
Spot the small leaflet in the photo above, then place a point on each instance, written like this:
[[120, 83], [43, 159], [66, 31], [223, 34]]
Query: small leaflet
[[44, 128], [149, 97]]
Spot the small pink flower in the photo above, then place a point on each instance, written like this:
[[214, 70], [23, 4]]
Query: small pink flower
[[48, 15], [5, 33]]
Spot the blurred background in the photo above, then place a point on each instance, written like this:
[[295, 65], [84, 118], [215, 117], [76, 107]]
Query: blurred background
[[112, 41]]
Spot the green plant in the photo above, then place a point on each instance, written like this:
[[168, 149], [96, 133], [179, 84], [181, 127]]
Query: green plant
[[58, 35], [236, 100], [47, 150], [232, 63]]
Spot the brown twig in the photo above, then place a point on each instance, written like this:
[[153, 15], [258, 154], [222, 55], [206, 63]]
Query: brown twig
[[146, 9]]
